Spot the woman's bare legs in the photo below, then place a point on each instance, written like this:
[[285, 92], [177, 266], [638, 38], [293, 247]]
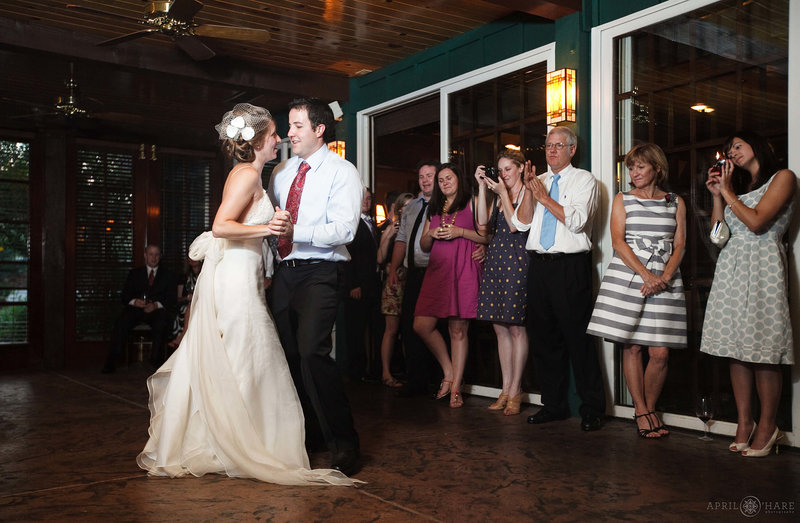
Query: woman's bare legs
[[519, 356], [504, 354], [459, 346], [387, 346], [425, 327], [654, 377], [634, 376], [769, 383], [742, 378]]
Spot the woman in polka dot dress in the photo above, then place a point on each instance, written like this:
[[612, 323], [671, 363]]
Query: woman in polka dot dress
[[747, 316], [503, 290]]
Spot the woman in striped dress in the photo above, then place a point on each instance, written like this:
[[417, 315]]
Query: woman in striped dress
[[641, 302]]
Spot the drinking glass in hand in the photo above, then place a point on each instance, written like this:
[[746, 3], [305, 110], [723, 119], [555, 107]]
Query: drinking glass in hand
[[704, 409]]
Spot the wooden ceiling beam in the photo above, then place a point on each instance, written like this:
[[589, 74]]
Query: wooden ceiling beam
[[544, 8], [170, 60]]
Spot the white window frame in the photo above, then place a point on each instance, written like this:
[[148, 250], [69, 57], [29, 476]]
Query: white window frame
[[364, 130], [603, 161]]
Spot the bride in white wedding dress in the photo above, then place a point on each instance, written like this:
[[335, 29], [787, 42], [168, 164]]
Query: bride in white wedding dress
[[225, 402]]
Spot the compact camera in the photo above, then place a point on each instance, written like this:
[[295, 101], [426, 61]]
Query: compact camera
[[717, 167], [491, 173]]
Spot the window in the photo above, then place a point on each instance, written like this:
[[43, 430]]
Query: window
[[731, 56], [507, 110], [103, 238], [185, 194], [14, 241]]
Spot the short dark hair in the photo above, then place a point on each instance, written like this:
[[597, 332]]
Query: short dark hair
[[318, 113], [427, 161]]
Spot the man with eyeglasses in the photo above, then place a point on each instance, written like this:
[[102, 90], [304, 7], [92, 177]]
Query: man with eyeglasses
[[558, 210]]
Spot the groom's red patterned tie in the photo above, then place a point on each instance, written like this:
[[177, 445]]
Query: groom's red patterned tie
[[293, 206]]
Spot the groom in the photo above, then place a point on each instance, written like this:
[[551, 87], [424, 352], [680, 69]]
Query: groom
[[322, 193]]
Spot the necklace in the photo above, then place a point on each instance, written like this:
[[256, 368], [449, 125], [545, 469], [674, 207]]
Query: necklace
[[445, 217], [451, 217], [519, 193]]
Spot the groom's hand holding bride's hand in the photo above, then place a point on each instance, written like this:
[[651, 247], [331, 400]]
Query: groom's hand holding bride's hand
[[281, 224]]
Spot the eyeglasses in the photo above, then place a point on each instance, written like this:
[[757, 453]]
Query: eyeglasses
[[558, 146]]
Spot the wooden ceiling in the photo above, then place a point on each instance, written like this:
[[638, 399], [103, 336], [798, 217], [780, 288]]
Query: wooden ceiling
[[314, 47]]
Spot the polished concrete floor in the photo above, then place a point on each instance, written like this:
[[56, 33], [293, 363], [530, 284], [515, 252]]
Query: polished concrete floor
[[68, 442]]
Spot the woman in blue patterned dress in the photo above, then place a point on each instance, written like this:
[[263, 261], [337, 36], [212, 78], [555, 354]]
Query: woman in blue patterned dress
[[641, 302], [747, 316], [503, 290]]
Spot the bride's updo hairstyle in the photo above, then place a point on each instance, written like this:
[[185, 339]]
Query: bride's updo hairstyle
[[242, 131]]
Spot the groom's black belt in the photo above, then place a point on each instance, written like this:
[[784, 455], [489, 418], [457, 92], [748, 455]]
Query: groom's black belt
[[297, 263]]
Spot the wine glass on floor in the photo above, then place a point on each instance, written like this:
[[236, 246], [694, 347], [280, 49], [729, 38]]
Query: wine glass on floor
[[704, 409]]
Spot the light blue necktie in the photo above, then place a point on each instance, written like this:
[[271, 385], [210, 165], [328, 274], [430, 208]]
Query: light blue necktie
[[548, 237]]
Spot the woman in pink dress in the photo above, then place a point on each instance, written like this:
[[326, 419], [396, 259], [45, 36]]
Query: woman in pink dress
[[450, 287]]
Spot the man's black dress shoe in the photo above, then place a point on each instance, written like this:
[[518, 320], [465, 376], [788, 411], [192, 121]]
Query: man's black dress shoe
[[108, 368], [545, 416], [589, 423], [345, 461]]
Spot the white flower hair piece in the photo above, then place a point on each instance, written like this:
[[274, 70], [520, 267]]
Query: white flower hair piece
[[243, 122]]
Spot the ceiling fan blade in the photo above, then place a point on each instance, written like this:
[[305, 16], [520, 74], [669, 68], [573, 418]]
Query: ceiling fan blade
[[33, 115], [184, 10], [119, 117], [194, 47], [259, 36], [35, 105], [103, 13], [125, 38]]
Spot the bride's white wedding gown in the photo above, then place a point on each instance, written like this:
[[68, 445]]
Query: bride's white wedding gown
[[225, 402]]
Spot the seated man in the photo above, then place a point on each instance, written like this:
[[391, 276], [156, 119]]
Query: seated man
[[149, 296]]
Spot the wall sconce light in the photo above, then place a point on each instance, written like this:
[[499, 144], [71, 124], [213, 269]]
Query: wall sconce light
[[561, 96], [380, 214], [700, 107], [337, 147]]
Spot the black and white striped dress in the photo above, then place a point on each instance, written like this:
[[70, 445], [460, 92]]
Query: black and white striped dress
[[621, 313]]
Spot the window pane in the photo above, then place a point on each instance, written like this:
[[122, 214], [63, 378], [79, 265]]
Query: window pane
[[14, 160], [732, 57], [13, 201], [184, 205], [13, 324], [14, 240], [509, 110], [103, 238]]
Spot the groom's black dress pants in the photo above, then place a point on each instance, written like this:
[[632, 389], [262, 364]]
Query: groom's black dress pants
[[304, 300]]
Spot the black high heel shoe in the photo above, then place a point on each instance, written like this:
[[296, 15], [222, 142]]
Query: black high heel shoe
[[645, 433]]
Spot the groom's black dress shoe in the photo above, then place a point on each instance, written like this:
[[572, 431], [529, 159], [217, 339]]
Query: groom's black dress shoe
[[590, 422], [545, 416], [346, 461]]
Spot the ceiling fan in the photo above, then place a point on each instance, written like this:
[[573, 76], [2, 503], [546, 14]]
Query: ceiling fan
[[68, 105], [176, 20]]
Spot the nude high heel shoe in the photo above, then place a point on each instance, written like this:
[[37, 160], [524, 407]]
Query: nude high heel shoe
[[760, 453], [512, 408], [738, 447], [500, 404]]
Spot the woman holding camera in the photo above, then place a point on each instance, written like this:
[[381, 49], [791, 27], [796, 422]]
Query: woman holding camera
[[747, 316], [503, 290]]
